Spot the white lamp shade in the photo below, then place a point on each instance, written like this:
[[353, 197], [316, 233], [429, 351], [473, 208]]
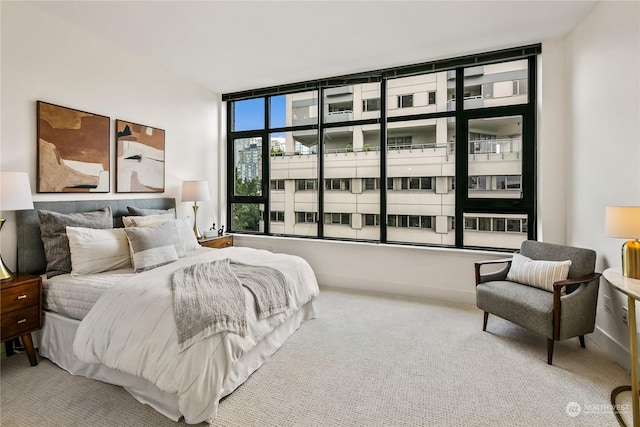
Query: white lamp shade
[[623, 222], [193, 191], [15, 191]]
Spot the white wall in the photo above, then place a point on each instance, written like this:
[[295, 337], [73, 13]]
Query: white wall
[[46, 59], [603, 71]]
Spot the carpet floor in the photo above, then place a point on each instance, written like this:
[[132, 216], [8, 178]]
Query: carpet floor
[[366, 360]]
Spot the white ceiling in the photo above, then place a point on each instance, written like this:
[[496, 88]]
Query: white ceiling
[[229, 46]]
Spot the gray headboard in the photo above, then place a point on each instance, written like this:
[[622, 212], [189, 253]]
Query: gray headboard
[[31, 258]]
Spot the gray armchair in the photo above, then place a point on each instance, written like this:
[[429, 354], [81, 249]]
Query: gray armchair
[[555, 315]]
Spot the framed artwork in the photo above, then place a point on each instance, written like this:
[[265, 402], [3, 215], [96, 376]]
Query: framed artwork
[[139, 158], [73, 150]]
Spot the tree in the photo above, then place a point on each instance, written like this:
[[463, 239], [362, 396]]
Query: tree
[[246, 216]]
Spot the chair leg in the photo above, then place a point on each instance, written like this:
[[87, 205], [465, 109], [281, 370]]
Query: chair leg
[[581, 338], [549, 351], [484, 322]]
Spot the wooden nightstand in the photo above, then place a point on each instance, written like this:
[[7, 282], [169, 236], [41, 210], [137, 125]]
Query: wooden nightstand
[[217, 242], [21, 310]]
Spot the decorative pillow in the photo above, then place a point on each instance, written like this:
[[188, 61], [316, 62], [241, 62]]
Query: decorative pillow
[[145, 212], [151, 247], [153, 220], [53, 232], [97, 250], [187, 236], [146, 220], [538, 273]]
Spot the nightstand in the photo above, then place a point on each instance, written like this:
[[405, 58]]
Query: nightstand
[[21, 310], [217, 242]]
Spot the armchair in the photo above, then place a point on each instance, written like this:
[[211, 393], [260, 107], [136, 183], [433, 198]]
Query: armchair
[[569, 311]]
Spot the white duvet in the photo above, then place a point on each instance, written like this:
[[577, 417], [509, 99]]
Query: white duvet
[[132, 329]]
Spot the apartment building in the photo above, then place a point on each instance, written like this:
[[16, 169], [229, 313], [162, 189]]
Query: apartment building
[[420, 169]]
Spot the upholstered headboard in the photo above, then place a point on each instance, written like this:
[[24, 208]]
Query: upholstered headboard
[[31, 258]]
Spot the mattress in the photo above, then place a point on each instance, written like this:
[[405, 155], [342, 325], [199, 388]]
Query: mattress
[[73, 296]]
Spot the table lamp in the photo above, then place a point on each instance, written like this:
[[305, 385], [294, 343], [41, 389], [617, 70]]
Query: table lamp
[[624, 222], [15, 195], [193, 191]]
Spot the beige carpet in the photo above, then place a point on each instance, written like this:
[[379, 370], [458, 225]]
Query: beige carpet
[[367, 360]]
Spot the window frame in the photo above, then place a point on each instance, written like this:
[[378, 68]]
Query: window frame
[[525, 204]]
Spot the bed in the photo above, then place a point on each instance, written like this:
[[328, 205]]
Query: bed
[[120, 327]]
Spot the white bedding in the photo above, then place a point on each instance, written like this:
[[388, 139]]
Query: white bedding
[[131, 328], [73, 296]]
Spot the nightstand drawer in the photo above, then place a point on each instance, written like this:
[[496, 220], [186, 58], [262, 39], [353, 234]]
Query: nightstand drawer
[[20, 322], [20, 296]]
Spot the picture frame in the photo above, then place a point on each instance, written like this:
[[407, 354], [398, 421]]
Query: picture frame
[[140, 158], [73, 150]]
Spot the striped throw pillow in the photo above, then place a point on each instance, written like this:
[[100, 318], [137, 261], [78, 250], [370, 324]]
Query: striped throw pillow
[[538, 273], [151, 247]]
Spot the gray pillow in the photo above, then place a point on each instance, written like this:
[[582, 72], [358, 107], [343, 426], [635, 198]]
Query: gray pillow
[[53, 232], [144, 212], [151, 247]]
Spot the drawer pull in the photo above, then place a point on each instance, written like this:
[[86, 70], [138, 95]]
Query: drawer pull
[[22, 321], [22, 296]]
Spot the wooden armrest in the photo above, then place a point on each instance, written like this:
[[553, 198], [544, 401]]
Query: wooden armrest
[[494, 261], [488, 262], [576, 281]]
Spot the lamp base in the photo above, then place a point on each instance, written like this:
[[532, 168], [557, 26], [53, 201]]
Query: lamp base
[[5, 273], [631, 259], [195, 221]]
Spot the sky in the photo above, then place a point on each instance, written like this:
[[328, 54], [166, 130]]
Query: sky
[[249, 114]]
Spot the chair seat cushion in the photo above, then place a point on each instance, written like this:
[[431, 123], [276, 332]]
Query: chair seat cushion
[[524, 305]]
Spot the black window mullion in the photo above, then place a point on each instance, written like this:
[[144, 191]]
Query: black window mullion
[[529, 138], [266, 167], [462, 166], [320, 186], [383, 161]]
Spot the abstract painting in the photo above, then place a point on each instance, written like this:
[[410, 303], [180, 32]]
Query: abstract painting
[[139, 158], [73, 150]]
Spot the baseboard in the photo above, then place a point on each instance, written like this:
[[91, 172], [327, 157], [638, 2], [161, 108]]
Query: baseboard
[[611, 346], [398, 288]]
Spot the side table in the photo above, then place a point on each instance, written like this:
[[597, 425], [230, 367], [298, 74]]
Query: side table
[[631, 288], [21, 310]]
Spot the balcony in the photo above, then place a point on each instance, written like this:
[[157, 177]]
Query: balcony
[[339, 116], [342, 90], [470, 102]]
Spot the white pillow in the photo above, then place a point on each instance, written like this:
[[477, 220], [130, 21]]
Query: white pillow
[[96, 250], [151, 247], [153, 220], [538, 273], [188, 237]]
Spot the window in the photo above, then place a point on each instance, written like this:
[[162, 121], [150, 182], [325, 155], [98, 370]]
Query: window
[[276, 216], [405, 101], [371, 183], [337, 184], [399, 142], [371, 219], [455, 136], [372, 104], [432, 98], [308, 217], [337, 218], [306, 184], [277, 184]]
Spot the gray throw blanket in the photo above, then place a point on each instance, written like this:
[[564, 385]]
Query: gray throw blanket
[[208, 298]]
